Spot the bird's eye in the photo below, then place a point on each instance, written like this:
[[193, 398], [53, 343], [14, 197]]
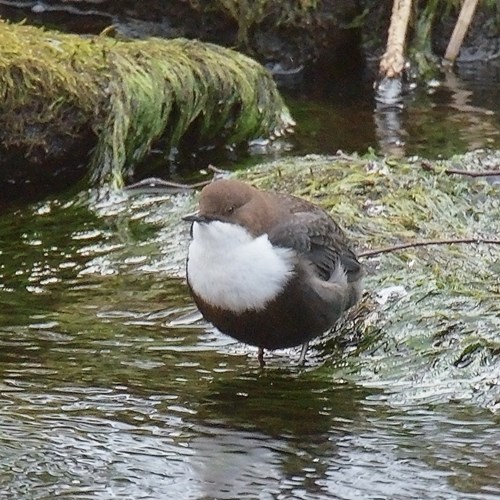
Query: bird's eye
[[230, 210]]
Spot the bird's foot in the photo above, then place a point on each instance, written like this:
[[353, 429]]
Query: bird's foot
[[303, 352], [260, 357]]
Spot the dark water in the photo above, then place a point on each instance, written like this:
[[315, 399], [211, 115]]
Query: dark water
[[112, 387], [444, 117]]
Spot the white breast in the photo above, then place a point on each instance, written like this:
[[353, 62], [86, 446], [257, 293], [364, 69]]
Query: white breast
[[231, 269]]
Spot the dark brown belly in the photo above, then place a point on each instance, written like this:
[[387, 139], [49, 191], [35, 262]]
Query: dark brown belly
[[294, 317]]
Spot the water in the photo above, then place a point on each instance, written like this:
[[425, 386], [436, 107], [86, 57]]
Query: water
[[435, 120], [111, 386]]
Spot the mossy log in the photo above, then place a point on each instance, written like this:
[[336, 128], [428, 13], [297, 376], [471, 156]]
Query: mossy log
[[65, 95]]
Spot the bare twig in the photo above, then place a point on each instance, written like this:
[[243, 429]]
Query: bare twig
[[153, 182], [217, 170], [402, 246], [469, 173]]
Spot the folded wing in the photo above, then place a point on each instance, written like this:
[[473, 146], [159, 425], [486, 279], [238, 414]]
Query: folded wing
[[316, 237]]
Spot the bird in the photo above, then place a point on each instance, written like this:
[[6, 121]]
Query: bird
[[269, 269]]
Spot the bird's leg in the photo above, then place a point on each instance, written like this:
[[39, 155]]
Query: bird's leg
[[303, 353], [260, 357]]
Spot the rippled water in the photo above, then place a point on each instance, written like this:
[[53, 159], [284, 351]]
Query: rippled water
[[112, 387]]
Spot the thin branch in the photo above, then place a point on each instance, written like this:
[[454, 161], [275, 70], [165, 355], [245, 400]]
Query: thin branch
[[469, 173], [153, 182], [458, 35], [402, 246], [217, 170]]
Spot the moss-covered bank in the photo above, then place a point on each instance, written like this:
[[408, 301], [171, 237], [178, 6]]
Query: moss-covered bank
[[63, 94]]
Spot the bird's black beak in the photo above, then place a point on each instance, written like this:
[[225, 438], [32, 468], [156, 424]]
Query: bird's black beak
[[196, 217]]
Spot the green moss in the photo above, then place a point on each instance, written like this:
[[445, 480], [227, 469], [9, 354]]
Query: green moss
[[130, 94]]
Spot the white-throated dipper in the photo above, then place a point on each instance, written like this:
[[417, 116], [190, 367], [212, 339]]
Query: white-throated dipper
[[269, 269]]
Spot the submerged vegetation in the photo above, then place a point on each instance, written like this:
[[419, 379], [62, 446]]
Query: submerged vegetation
[[57, 88], [426, 330]]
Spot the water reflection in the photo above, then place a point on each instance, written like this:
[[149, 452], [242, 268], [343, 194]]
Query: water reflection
[[99, 442], [402, 125], [434, 120]]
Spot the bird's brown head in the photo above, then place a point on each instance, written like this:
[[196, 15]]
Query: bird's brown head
[[229, 200]]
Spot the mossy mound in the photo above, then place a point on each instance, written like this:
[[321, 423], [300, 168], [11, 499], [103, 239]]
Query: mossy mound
[[428, 326], [58, 89]]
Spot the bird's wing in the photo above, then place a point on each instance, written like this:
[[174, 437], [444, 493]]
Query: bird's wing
[[315, 236]]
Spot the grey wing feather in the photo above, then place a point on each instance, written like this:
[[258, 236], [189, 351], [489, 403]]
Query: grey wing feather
[[315, 236]]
